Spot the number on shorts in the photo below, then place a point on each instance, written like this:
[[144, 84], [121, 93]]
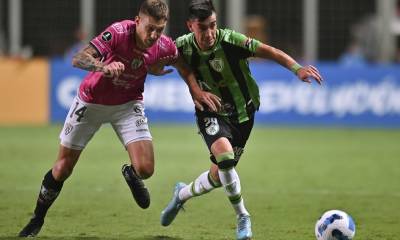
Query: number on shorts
[[78, 112]]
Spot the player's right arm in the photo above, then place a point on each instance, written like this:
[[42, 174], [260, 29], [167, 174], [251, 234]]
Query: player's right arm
[[88, 59], [199, 96]]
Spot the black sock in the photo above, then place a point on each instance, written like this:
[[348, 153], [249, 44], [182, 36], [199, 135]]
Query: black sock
[[48, 193], [134, 173]]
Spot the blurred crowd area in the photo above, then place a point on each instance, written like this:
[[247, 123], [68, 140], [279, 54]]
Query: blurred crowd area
[[347, 29]]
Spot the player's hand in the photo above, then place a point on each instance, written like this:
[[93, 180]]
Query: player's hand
[[212, 101], [309, 72], [113, 69], [159, 69]]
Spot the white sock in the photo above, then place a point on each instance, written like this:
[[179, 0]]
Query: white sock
[[231, 182], [201, 185]]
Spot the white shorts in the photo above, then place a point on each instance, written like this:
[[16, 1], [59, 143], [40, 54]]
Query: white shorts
[[84, 119]]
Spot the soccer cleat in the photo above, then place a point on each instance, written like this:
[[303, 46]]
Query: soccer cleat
[[138, 189], [32, 228], [243, 231], [169, 213]]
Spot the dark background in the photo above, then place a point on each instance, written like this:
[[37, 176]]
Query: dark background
[[49, 25]]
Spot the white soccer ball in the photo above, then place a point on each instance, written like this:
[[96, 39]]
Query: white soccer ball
[[335, 225]]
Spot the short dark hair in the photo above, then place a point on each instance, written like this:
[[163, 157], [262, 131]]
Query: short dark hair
[[157, 9], [200, 9]]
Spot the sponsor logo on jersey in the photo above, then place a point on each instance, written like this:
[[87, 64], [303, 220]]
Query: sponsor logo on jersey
[[212, 126], [217, 64], [107, 36], [136, 63], [68, 128], [126, 84], [118, 27]]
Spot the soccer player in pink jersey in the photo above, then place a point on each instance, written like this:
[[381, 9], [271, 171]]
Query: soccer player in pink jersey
[[118, 61]]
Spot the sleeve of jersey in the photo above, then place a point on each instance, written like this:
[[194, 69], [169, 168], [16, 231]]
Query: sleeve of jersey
[[179, 45], [168, 51], [105, 42], [249, 44]]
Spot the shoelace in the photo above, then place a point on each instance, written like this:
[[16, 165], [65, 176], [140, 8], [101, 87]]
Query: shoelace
[[179, 205], [181, 208], [243, 223]]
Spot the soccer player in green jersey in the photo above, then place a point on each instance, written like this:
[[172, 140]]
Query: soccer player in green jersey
[[219, 59]]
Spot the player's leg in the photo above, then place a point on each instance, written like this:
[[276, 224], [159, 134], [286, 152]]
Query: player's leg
[[203, 184], [206, 182], [219, 135], [211, 127], [50, 189], [130, 124], [225, 157], [141, 154], [142, 167], [77, 131]]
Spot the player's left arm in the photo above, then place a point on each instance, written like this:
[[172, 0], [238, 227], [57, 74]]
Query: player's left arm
[[303, 73], [199, 96]]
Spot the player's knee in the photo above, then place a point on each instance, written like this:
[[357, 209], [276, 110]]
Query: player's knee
[[226, 160], [226, 164]]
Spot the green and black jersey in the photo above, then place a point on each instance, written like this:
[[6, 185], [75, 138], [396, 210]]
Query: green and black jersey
[[224, 71]]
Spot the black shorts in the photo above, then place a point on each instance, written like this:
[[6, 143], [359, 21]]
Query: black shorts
[[212, 127]]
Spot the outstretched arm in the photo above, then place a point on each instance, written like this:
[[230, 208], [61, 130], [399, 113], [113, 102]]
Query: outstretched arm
[[87, 59], [303, 73], [199, 96]]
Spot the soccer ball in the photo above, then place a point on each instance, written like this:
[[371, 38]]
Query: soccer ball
[[335, 225]]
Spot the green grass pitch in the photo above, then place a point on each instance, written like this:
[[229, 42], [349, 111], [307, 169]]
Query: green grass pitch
[[289, 176]]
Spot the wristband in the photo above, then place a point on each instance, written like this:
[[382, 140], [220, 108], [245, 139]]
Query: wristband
[[295, 68]]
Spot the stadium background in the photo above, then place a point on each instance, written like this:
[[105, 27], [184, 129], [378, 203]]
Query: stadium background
[[362, 88], [313, 148]]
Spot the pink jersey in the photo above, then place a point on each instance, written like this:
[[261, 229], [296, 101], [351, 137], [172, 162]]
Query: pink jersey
[[117, 43]]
